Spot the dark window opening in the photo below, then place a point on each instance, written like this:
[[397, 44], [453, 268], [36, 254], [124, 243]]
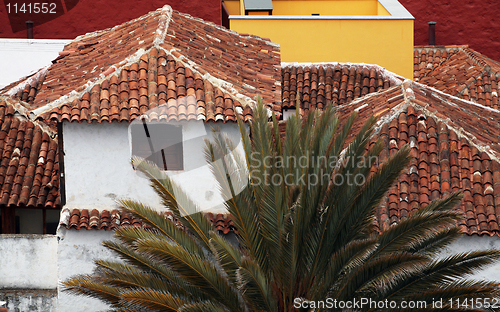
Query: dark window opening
[[28, 220], [159, 143]]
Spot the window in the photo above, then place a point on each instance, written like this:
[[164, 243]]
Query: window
[[28, 220], [159, 143]]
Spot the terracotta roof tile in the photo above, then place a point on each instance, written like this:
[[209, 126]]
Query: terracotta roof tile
[[174, 94], [449, 153], [459, 71], [196, 69], [317, 85], [29, 168], [110, 219]]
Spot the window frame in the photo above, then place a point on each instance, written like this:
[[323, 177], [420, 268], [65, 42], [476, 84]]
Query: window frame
[[144, 141]]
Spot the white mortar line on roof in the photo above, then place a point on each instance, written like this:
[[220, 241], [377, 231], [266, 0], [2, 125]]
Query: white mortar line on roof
[[29, 79], [160, 34], [23, 113], [87, 87], [445, 98], [163, 23], [393, 77], [424, 86]]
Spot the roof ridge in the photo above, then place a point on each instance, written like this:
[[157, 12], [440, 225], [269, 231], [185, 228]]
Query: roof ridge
[[441, 47], [115, 69], [473, 55], [472, 139], [163, 23], [396, 110], [24, 113], [29, 80]]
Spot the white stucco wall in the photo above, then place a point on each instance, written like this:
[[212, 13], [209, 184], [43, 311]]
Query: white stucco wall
[[98, 169], [28, 261], [20, 57], [472, 243], [77, 251]]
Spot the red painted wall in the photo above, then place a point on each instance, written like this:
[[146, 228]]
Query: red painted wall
[[471, 22], [83, 16]]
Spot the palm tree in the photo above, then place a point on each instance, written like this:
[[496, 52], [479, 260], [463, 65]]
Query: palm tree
[[302, 246]]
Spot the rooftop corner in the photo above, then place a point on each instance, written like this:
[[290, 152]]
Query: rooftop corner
[[357, 31]]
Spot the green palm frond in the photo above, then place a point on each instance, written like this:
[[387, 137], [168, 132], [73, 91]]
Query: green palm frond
[[227, 255], [175, 199], [197, 271], [151, 300], [255, 287], [92, 286], [205, 306]]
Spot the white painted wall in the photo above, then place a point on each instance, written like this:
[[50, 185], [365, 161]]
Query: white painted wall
[[97, 167], [28, 261], [76, 253], [98, 170], [472, 243], [20, 57]]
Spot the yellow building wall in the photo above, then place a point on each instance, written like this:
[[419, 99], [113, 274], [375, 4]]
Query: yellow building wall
[[388, 43], [325, 7], [233, 7], [322, 7]]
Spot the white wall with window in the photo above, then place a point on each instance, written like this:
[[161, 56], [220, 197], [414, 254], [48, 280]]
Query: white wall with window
[[98, 169]]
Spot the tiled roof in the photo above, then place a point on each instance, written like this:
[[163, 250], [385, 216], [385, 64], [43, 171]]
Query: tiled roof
[[454, 144], [29, 167], [27, 88], [449, 153], [180, 95], [189, 68], [459, 71], [80, 219], [319, 84]]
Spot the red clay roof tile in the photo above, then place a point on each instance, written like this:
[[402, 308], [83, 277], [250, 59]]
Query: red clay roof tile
[[459, 71], [317, 85], [29, 169], [108, 220], [449, 153], [117, 74]]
